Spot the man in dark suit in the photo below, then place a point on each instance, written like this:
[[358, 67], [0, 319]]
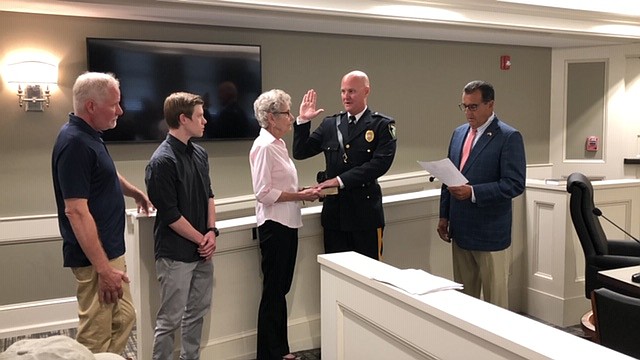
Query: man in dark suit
[[476, 217], [359, 147]]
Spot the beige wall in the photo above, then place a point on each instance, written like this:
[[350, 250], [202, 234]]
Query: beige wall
[[417, 82]]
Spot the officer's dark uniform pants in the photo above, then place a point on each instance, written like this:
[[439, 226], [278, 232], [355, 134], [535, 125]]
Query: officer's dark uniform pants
[[366, 242]]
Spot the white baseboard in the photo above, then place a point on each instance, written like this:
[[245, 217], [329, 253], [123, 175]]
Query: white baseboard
[[555, 310], [304, 334]]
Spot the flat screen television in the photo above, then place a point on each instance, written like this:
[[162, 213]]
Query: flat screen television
[[228, 77]]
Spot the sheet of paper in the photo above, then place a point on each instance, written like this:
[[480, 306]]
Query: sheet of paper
[[445, 171], [415, 281]]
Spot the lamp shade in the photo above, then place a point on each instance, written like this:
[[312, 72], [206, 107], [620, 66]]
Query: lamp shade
[[32, 72]]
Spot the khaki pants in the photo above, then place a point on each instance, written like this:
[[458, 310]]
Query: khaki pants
[[103, 327], [483, 270]]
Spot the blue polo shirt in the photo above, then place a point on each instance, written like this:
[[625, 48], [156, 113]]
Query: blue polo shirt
[[82, 168]]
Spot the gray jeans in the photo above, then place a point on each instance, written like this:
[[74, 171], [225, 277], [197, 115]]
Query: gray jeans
[[186, 291]]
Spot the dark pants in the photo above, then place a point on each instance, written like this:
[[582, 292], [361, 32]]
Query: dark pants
[[279, 246], [366, 242]]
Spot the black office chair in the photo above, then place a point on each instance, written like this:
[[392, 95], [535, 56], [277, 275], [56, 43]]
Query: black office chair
[[617, 321], [599, 253]]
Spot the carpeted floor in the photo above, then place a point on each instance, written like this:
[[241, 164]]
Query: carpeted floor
[[311, 354]]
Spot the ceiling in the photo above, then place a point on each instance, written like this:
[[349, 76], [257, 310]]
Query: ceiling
[[482, 21]]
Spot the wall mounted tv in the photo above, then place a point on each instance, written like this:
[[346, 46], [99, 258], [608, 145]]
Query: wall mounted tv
[[228, 77]]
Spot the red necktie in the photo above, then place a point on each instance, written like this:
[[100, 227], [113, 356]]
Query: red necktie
[[466, 148]]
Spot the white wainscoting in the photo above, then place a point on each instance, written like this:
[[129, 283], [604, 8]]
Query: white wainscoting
[[555, 276], [28, 229], [33, 316], [38, 316]]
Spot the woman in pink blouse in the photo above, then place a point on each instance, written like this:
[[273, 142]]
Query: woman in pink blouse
[[275, 184]]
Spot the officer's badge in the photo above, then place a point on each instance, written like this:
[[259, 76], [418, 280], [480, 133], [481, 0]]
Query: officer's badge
[[369, 136], [392, 130]]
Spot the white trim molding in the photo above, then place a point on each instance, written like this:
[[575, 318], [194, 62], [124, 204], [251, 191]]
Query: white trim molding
[[38, 316]]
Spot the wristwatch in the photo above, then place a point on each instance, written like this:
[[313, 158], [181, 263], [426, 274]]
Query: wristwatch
[[215, 231]]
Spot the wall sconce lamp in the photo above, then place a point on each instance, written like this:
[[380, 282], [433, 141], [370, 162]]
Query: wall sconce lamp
[[33, 76]]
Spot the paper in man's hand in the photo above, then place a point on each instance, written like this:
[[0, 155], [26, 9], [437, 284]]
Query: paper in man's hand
[[445, 171]]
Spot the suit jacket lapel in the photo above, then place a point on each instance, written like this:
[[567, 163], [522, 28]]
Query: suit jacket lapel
[[457, 143], [489, 134]]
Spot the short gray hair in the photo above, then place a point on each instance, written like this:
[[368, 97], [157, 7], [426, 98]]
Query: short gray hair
[[270, 102], [92, 85]]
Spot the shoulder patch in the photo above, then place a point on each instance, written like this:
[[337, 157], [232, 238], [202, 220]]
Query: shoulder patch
[[392, 130]]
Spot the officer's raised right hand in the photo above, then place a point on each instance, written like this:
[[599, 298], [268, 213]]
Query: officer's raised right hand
[[308, 109]]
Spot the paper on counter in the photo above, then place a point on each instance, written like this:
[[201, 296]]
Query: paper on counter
[[445, 171], [415, 281]]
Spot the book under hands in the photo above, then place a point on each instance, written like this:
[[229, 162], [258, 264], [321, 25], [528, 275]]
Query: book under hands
[[325, 191], [415, 281], [329, 191]]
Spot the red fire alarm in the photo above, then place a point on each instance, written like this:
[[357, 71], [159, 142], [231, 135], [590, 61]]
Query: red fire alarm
[[592, 143], [505, 62]]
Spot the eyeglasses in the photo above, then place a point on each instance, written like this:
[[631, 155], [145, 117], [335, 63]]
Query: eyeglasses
[[470, 107], [288, 113]]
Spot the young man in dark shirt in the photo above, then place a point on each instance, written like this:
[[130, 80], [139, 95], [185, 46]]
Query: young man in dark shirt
[[177, 179]]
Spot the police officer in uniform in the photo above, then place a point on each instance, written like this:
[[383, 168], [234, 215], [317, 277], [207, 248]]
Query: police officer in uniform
[[359, 147]]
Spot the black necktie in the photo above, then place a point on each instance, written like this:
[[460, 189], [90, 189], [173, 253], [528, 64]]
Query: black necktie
[[352, 123]]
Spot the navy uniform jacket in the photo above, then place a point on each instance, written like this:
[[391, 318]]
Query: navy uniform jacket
[[370, 150], [496, 168]]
